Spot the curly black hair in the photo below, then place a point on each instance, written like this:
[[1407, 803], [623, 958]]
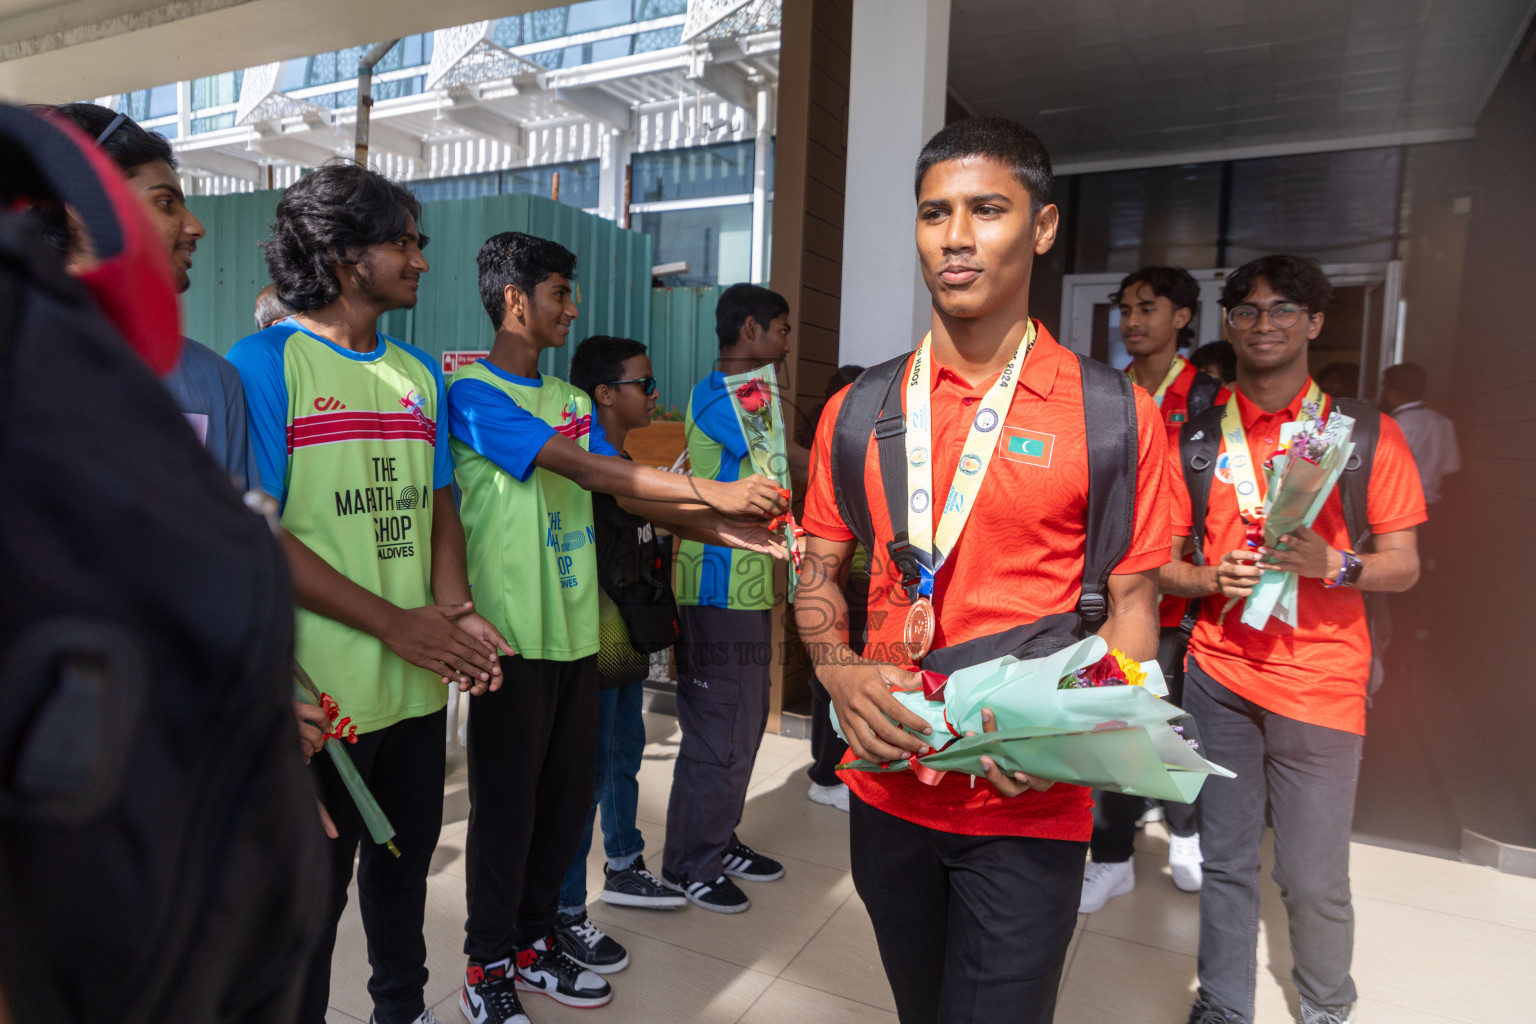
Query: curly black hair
[[1172, 283], [522, 260], [330, 216], [1007, 142], [1298, 278]]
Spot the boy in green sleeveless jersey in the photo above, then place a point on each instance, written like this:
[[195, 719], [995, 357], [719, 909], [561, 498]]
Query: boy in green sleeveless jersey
[[725, 602], [527, 451], [347, 429]]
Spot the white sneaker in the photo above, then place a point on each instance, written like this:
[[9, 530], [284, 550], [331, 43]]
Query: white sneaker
[[1153, 814], [832, 796], [427, 1017], [1184, 861], [1101, 882]]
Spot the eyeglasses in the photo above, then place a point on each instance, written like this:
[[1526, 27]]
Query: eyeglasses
[[1281, 315], [649, 383]]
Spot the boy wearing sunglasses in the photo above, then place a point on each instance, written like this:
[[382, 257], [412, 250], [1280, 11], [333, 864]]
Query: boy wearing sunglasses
[[528, 451]]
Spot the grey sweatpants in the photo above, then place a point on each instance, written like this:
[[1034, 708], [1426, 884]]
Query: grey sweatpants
[[722, 709]]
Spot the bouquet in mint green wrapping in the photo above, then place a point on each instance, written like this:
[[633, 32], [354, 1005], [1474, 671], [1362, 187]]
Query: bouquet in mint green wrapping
[[1298, 479], [1084, 715], [754, 397], [341, 731]]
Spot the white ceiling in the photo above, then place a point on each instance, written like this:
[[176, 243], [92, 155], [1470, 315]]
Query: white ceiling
[[1121, 83]]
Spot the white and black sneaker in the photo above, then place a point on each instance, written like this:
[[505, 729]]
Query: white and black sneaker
[[587, 944], [634, 886], [545, 968], [489, 995], [427, 1017], [745, 863], [723, 896]]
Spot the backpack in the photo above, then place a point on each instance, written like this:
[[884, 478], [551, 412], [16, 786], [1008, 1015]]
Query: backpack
[[1109, 418], [160, 856], [1199, 442]]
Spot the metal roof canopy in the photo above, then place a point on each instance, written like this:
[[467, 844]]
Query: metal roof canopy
[[1111, 84], [55, 52]]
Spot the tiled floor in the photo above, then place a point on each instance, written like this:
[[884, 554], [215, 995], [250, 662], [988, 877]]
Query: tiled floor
[[1435, 941]]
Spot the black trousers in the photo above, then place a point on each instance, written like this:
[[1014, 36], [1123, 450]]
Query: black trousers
[[722, 709], [532, 766], [1115, 814], [827, 747], [970, 928], [403, 767]]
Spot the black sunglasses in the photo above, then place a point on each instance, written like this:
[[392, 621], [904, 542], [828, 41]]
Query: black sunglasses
[[649, 383]]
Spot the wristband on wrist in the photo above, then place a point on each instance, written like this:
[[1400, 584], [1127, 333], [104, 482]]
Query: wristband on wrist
[[1349, 570], [1343, 568]]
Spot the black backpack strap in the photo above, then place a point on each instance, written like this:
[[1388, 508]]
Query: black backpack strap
[[1199, 444], [1109, 418], [1202, 394], [873, 399], [1355, 482]]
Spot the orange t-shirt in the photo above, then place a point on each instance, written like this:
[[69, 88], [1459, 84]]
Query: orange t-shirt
[[1315, 672], [1175, 410], [1019, 558]]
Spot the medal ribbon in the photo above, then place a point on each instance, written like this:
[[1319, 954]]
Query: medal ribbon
[[1179, 362], [1245, 481], [975, 458]]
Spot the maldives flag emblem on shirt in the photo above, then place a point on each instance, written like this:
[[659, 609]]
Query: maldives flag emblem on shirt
[[1027, 446]]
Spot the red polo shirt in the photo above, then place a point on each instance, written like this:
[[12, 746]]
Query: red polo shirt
[[1317, 671], [1019, 558]]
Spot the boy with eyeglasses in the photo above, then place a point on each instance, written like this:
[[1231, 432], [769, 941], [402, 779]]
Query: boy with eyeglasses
[[527, 452], [1283, 707]]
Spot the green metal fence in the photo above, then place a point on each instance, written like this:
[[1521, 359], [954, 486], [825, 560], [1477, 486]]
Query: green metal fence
[[614, 273], [683, 343]]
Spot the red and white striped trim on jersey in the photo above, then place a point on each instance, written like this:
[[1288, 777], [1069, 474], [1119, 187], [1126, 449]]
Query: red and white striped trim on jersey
[[332, 427], [576, 429]]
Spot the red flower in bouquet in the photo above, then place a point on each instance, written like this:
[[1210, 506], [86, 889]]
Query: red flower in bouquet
[[752, 395], [1114, 669], [340, 730]]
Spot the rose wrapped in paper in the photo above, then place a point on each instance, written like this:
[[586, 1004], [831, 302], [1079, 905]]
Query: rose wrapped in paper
[[1298, 479], [1066, 717], [762, 424], [342, 731]]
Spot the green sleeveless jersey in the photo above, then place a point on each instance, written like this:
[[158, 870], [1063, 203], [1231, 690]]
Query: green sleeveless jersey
[[350, 443], [532, 550]]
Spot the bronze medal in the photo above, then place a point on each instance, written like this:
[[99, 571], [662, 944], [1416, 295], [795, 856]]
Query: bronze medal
[[917, 633]]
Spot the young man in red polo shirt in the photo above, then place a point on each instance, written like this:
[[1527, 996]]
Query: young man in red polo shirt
[[1283, 707], [1157, 307], [973, 889]]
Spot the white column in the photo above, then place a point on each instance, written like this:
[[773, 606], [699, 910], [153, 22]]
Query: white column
[[765, 124], [615, 158], [898, 77]]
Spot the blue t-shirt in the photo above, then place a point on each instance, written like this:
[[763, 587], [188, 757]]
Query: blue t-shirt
[[207, 390]]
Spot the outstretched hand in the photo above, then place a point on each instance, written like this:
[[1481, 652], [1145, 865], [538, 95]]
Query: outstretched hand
[[756, 497], [751, 536]]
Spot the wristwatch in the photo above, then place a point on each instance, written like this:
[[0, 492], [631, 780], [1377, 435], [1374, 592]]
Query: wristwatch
[[1349, 572]]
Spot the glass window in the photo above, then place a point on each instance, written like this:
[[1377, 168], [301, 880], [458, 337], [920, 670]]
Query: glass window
[[722, 170], [645, 10], [716, 243], [465, 187], [578, 182], [595, 14], [541, 25], [1159, 215], [213, 123], [658, 39], [1335, 207], [216, 90]]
